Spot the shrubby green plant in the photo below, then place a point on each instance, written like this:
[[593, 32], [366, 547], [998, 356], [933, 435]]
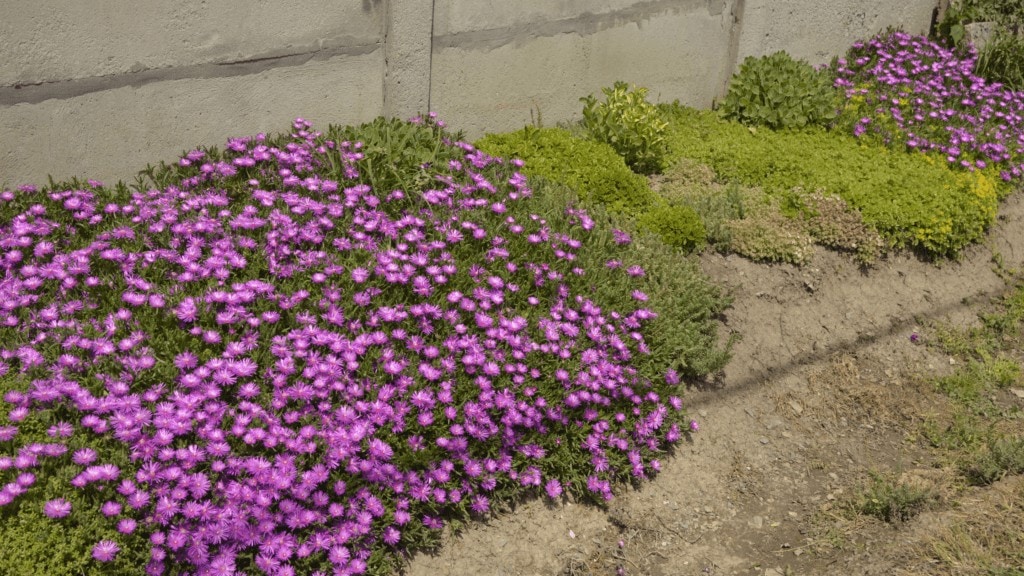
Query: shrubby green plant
[[832, 222], [997, 458], [912, 200], [677, 225], [398, 154], [592, 169], [630, 124], [694, 185], [779, 92], [766, 234]]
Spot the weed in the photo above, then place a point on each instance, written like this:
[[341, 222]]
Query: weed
[[998, 458], [892, 501], [965, 432]]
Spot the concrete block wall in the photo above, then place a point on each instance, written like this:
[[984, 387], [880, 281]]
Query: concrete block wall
[[816, 31], [496, 62], [98, 89]]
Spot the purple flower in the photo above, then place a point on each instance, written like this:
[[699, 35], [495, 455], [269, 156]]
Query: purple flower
[[554, 488], [57, 508], [391, 536], [110, 508], [84, 456], [105, 550], [126, 526], [60, 429]]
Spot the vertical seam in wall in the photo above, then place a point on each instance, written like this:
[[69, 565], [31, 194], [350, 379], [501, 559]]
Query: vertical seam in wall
[[386, 30], [430, 55], [735, 31]]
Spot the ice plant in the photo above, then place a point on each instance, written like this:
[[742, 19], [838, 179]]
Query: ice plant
[[275, 364], [915, 93]]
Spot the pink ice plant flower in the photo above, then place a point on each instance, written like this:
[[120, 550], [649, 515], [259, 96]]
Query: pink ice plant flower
[[331, 403], [105, 550]]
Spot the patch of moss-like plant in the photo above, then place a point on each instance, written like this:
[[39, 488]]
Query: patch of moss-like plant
[[593, 169], [676, 225], [912, 200]]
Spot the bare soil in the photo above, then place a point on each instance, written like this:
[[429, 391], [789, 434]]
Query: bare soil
[[825, 388]]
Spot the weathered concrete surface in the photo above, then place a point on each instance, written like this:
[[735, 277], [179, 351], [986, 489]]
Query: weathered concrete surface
[[55, 40], [407, 45], [493, 65], [111, 134], [99, 88], [816, 31]]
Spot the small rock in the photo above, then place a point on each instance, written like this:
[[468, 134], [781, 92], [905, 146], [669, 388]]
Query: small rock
[[980, 33], [1017, 392], [796, 406], [763, 440], [797, 552], [703, 413], [952, 361], [756, 522]]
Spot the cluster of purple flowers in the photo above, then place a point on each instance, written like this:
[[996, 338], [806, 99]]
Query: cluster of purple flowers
[[913, 92], [307, 370]]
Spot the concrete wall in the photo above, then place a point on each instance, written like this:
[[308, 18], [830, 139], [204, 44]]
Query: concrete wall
[[816, 31], [98, 89], [494, 63]]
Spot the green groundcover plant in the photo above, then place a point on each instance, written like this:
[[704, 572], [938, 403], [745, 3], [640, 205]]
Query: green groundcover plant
[[593, 169], [913, 200], [272, 359]]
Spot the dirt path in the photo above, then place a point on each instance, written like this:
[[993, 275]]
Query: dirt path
[[819, 393]]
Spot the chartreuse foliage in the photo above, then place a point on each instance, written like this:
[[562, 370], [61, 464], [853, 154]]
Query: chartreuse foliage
[[598, 175], [592, 169], [913, 200], [779, 92], [677, 225]]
